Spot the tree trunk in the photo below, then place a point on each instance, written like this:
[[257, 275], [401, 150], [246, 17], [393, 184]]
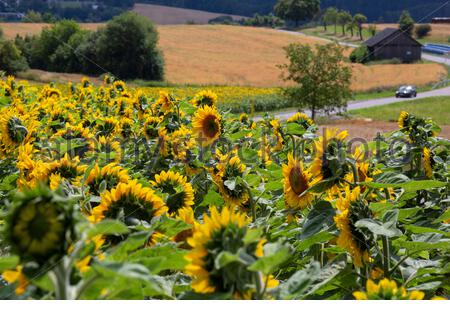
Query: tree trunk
[[343, 29], [360, 33], [313, 113], [351, 30], [325, 27], [335, 28]]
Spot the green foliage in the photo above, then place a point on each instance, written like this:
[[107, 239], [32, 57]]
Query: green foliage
[[422, 30], [297, 10], [359, 20], [344, 18], [127, 48], [330, 17], [406, 22], [323, 81], [270, 21], [11, 59], [360, 55]]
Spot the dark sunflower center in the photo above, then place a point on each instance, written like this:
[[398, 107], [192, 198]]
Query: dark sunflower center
[[210, 126], [297, 180]]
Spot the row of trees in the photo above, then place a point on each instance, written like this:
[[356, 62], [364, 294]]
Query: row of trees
[[333, 16], [125, 47]]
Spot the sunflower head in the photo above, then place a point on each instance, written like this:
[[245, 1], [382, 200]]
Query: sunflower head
[[351, 209], [152, 127], [330, 161], [129, 202], [403, 120], [296, 182], [207, 125], [428, 162], [227, 176], [243, 118], [40, 224], [205, 98], [180, 194], [387, 290], [107, 177], [14, 128], [301, 119], [222, 233]]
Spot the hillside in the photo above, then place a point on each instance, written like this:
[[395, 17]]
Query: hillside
[[224, 55], [171, 15], [380, 10]]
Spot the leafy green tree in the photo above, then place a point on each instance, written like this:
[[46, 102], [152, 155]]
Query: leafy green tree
[[422, 30], [33, 17], [360, 19], [330, 18], [323, 80], [406, 22], [344, 18], [127, 47], [49, 42], [11, 59], [297, 10]]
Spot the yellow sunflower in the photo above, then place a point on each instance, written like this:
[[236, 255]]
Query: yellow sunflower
[[296, 182], [229, 168], [181, 143], [302, 119], [65, 169], [403, 120], [328, 163], [15, 128], [206, 125], [427, 161], [108, 126], [130, 202], [387, 290], [205, 98], [349, 237], [221, 232], [151, 127], [180, 192], [111, 174], [16, 276]]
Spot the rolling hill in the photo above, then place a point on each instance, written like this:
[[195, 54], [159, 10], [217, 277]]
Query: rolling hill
[[380, 10], [232, 55], [171, 15]]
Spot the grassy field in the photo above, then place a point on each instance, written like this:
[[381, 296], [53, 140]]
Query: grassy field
[[245, 56], [436, 108], [170, 15]]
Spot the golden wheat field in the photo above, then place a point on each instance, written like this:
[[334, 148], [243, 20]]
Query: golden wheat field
[[245, 56]]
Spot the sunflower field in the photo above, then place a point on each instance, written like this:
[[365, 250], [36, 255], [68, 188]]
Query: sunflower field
[[109, 193]]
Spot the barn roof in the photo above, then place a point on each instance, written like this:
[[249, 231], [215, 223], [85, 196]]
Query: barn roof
[[385, 34]]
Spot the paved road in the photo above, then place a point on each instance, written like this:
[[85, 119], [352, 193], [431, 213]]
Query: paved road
[[284, 115]]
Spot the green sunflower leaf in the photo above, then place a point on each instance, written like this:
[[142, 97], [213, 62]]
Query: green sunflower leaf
[[108, 227], [8, 262], [410, 186], [320, 218], [295, 129], [275, 254], [376, 227], [212, 198]]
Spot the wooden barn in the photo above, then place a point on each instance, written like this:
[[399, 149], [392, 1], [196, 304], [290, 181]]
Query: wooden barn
[[393, 43]]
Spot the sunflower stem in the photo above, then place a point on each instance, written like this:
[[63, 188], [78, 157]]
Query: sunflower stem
[[355, 172], [294, 145], [386, 257], [258, 283]]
